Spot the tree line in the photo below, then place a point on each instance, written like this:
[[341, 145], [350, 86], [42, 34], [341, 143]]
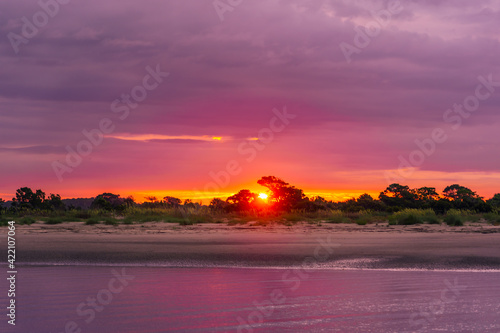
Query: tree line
[[282, 197]]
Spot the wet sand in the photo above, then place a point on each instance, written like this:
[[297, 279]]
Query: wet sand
[[475, 246]]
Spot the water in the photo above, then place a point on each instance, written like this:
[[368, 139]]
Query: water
[[161, 299]]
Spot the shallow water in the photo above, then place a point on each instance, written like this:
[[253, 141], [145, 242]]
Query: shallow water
[[160, 299]]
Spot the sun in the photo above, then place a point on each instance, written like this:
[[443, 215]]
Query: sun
[[263, 196]]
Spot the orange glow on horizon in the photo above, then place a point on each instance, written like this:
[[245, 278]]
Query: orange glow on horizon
[[342, 187]]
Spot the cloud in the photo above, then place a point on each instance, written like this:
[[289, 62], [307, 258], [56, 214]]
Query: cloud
[[165, 138], [33, 150]]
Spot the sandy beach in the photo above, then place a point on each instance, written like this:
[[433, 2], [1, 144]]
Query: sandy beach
[[475, 246]]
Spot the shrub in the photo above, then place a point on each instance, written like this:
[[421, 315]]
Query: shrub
[[453, 220], [92, 221], [54, 220], [294, 217], [337, 216], [80, 214], [186, 222], [392, 220], [365, 217], [492, 218], [409, 219], [412, 216], [362, 220], [110, 221], [433, 220], [128, 220], [173, 219], [27, 220]]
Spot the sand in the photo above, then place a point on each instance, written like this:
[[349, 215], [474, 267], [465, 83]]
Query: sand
[[475, 246]]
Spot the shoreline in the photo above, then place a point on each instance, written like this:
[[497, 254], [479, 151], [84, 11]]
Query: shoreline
[[473, 247]]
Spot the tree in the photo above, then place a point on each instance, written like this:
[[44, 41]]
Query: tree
[[189, 203], [129, 201], [464, 198], [350, 205], [151, 199], [397, 195], [54, 202], [365, 201], [242, 201], [218, 205], [426, 194], [457, 192], [273, 183], [319, 203], [27, 199], [442, 205], [292, 198], [1, 205], [108, 201], [283, 196], [151, 202], [172, 202], [495, 201]]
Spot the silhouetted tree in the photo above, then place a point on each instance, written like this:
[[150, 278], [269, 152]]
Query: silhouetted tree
[[319, 203], [274, 184], [365, 201], [188, 203], [151, 199], [242, 201], [457, 192], [283, 196], [442, 205], [396, 195], [426, 194], [425, 197], [218, 205], [172, 202], [108, 201], [129, 201], [27, 199], [495, 201], [464, 198], [350, 205], [54, 202]]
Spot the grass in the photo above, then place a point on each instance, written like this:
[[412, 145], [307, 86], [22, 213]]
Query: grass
[[92, 221], [110, 221], [107, 220], [493, 218], [337, 216], [362, 220], [453, 220], [128, 220], [366, 217], [27, 220], [54, 220], [455, 217], [412, 216], [5, 220], [409, 219], [186, 222], [202, 214], [433, 220], [294, 217]]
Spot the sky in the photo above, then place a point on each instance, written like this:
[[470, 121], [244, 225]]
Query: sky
[[198, 99]]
